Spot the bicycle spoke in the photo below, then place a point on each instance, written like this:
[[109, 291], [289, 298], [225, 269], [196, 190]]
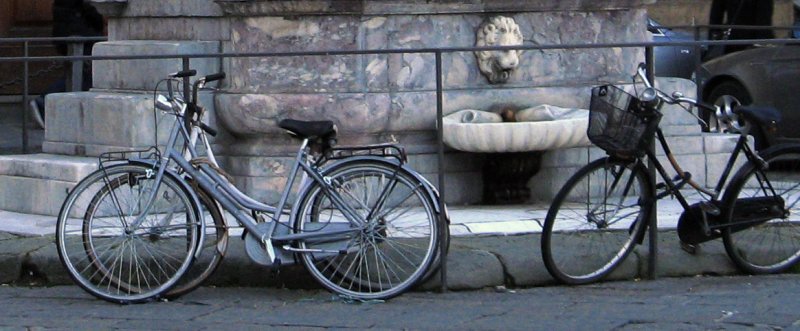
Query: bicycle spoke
[[396, 207]]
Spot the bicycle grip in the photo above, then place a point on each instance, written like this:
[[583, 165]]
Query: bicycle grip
[[208, 129], [213, 77], [184, 73]]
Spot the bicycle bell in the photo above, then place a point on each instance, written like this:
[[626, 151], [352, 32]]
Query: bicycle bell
[[649, 96]]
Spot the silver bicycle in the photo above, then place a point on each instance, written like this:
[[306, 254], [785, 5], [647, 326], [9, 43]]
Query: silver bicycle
[[363, 223]]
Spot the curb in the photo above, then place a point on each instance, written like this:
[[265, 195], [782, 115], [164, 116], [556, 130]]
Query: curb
[[472, 263]]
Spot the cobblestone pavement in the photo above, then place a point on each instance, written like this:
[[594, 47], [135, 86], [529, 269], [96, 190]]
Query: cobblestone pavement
[[698, 303]]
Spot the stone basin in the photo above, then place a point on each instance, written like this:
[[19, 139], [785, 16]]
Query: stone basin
[[487, 135]]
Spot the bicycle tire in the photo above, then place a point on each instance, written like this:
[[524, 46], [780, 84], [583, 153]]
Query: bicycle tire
[[391, 253], [580, 243], [212, 250], [770, 245], [112, 261], [444, 230]]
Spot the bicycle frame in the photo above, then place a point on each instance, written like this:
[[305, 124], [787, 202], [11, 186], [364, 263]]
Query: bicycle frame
[[363, 223], [235, 202], [673, 187]]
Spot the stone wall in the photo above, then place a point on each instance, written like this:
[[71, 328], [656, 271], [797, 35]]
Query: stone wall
[[371, 97], [376, 98]]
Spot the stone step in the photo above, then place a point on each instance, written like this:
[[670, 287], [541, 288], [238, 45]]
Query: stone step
[[38, 183], [145, 74], [92, 123]]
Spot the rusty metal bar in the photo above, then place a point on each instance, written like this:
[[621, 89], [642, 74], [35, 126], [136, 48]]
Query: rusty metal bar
[[408, 50], [440, 137], [698, 62], [652, 257], [25, 97], [75, 81], [186, 80]]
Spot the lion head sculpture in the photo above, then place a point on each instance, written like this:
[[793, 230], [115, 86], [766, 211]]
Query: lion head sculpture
[[498, 65]]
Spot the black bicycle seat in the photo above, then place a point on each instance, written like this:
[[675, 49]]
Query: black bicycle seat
[[308, 129]]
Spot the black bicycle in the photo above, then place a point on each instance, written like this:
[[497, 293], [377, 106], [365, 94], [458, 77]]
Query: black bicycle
[[602, 212]]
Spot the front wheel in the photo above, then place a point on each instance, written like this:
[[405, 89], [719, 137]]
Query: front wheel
[[595, 220], [764, 207], [385, 255], [116, 248]]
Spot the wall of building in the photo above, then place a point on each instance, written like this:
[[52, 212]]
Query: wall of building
[[6, 16], [24, 12]]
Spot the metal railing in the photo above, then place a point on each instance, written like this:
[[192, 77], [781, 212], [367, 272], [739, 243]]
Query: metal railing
[[74, 76], [437, 52]]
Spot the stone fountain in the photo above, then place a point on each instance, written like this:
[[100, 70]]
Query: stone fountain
[[372, 98]]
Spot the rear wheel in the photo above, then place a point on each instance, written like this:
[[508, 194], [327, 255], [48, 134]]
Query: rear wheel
[[386, 256], [767, 205], [595, 221]]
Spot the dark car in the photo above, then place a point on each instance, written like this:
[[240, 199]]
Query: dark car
[[672, 61], [760, 76]]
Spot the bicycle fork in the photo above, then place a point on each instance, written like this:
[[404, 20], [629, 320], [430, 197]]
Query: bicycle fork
[[618, 205]]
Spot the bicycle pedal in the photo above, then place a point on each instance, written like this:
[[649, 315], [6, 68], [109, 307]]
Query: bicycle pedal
[[690, 248], [710, 209]]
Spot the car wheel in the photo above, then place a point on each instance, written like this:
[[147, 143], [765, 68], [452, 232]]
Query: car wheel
[[728, 95]]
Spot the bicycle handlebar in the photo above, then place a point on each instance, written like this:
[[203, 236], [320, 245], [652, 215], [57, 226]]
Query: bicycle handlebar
[[675, 98], [653, 95], [183, 73], [214, 77], [174, 103]]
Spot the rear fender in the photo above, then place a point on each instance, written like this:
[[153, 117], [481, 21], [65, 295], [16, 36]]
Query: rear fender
[[432, 192]]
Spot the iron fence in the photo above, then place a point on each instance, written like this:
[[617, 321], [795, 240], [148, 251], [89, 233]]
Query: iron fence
[[74, 79], [698, 44]]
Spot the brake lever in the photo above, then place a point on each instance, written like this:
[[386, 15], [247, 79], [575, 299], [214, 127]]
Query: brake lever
[[703, 123]]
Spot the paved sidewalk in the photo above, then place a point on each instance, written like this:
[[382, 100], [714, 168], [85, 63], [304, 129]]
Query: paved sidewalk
[[491, 246]]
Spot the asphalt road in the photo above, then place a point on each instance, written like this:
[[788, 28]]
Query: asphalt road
[[699, 303]]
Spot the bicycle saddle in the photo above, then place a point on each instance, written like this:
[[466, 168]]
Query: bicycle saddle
[[308, 129], [763, 116]]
